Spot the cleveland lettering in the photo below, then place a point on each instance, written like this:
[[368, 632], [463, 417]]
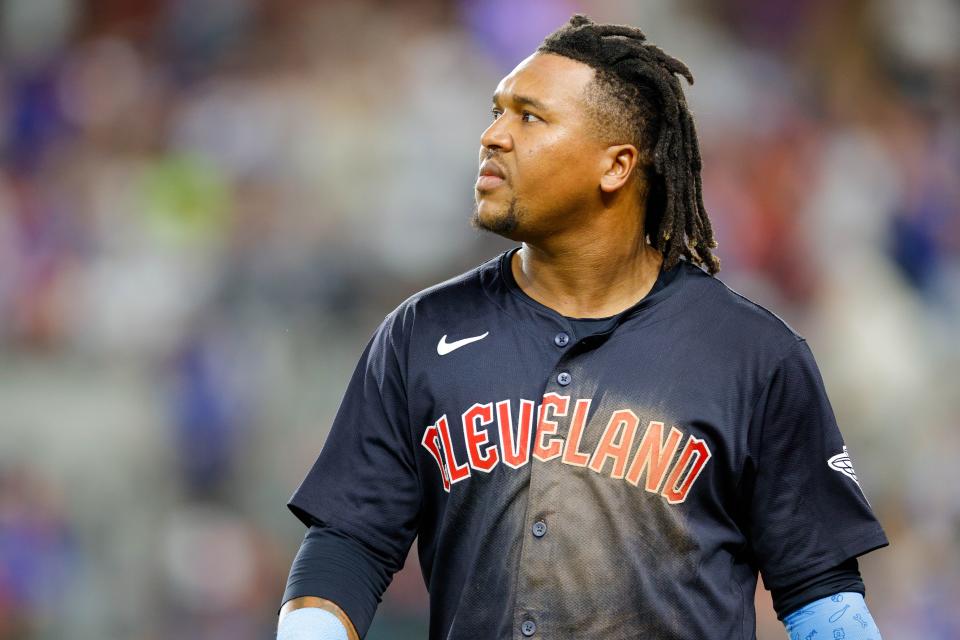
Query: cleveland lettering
[[647, 456]]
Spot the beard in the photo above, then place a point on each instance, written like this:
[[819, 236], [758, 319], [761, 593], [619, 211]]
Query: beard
[[503, 225]]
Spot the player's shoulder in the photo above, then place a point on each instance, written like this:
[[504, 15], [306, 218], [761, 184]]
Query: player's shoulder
[[734, 314]]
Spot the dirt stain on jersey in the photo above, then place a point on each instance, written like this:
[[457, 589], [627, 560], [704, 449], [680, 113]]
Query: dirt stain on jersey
[[617, 562]]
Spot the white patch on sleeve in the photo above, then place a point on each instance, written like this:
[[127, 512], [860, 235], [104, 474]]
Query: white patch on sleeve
[[842, 463]]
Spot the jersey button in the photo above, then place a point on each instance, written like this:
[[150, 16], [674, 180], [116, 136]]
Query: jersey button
[[528, 628], [539, 528], [564, 378], [561, 339]]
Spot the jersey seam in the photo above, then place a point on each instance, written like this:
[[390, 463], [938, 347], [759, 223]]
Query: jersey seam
[[766, 385], [743, 596], [409, 427], [762, 308], [753, 409]]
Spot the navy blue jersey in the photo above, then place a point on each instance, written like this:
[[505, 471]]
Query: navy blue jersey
[[620, 479]]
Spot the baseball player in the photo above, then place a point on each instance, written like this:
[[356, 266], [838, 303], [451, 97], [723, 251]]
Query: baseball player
[[590, 435]]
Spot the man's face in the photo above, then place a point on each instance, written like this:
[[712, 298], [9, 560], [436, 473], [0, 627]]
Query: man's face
[[540, 142]]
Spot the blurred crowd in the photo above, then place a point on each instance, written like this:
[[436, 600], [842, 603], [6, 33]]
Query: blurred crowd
[[206, 206]]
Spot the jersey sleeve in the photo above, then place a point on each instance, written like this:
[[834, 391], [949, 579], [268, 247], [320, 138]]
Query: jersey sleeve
[[807, 511], [364, 483]]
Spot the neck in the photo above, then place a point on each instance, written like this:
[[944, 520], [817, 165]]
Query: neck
[[590, 274]]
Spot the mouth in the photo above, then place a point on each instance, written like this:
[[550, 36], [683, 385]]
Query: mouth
[[491, 176], [488, 183]]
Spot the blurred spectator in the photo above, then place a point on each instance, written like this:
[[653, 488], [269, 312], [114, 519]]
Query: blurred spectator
[[38, 553]]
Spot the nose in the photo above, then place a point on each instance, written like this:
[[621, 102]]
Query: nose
[[497, 136]]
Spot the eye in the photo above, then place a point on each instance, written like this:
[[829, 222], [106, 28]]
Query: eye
[[527, 114], [496, 113]]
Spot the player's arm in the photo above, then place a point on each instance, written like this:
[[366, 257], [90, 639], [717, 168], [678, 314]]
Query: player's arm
[[315, 619], [807, 516], [361, 500], [333, 568]]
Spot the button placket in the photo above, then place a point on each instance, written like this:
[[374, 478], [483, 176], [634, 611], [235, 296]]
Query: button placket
[[535, 553]]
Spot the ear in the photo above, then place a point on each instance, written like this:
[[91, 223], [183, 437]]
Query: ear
[[619, 162]]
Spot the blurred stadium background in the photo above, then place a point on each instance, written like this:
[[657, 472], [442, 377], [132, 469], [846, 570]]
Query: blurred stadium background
[[207, 206]]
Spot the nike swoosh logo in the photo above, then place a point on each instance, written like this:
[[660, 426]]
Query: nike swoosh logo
[[444, 347]]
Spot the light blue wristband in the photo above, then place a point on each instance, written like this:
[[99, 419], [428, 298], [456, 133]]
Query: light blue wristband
[[311, 623], [842, 616]]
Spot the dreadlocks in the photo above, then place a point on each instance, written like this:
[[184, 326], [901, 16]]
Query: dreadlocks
[[636, 90]]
